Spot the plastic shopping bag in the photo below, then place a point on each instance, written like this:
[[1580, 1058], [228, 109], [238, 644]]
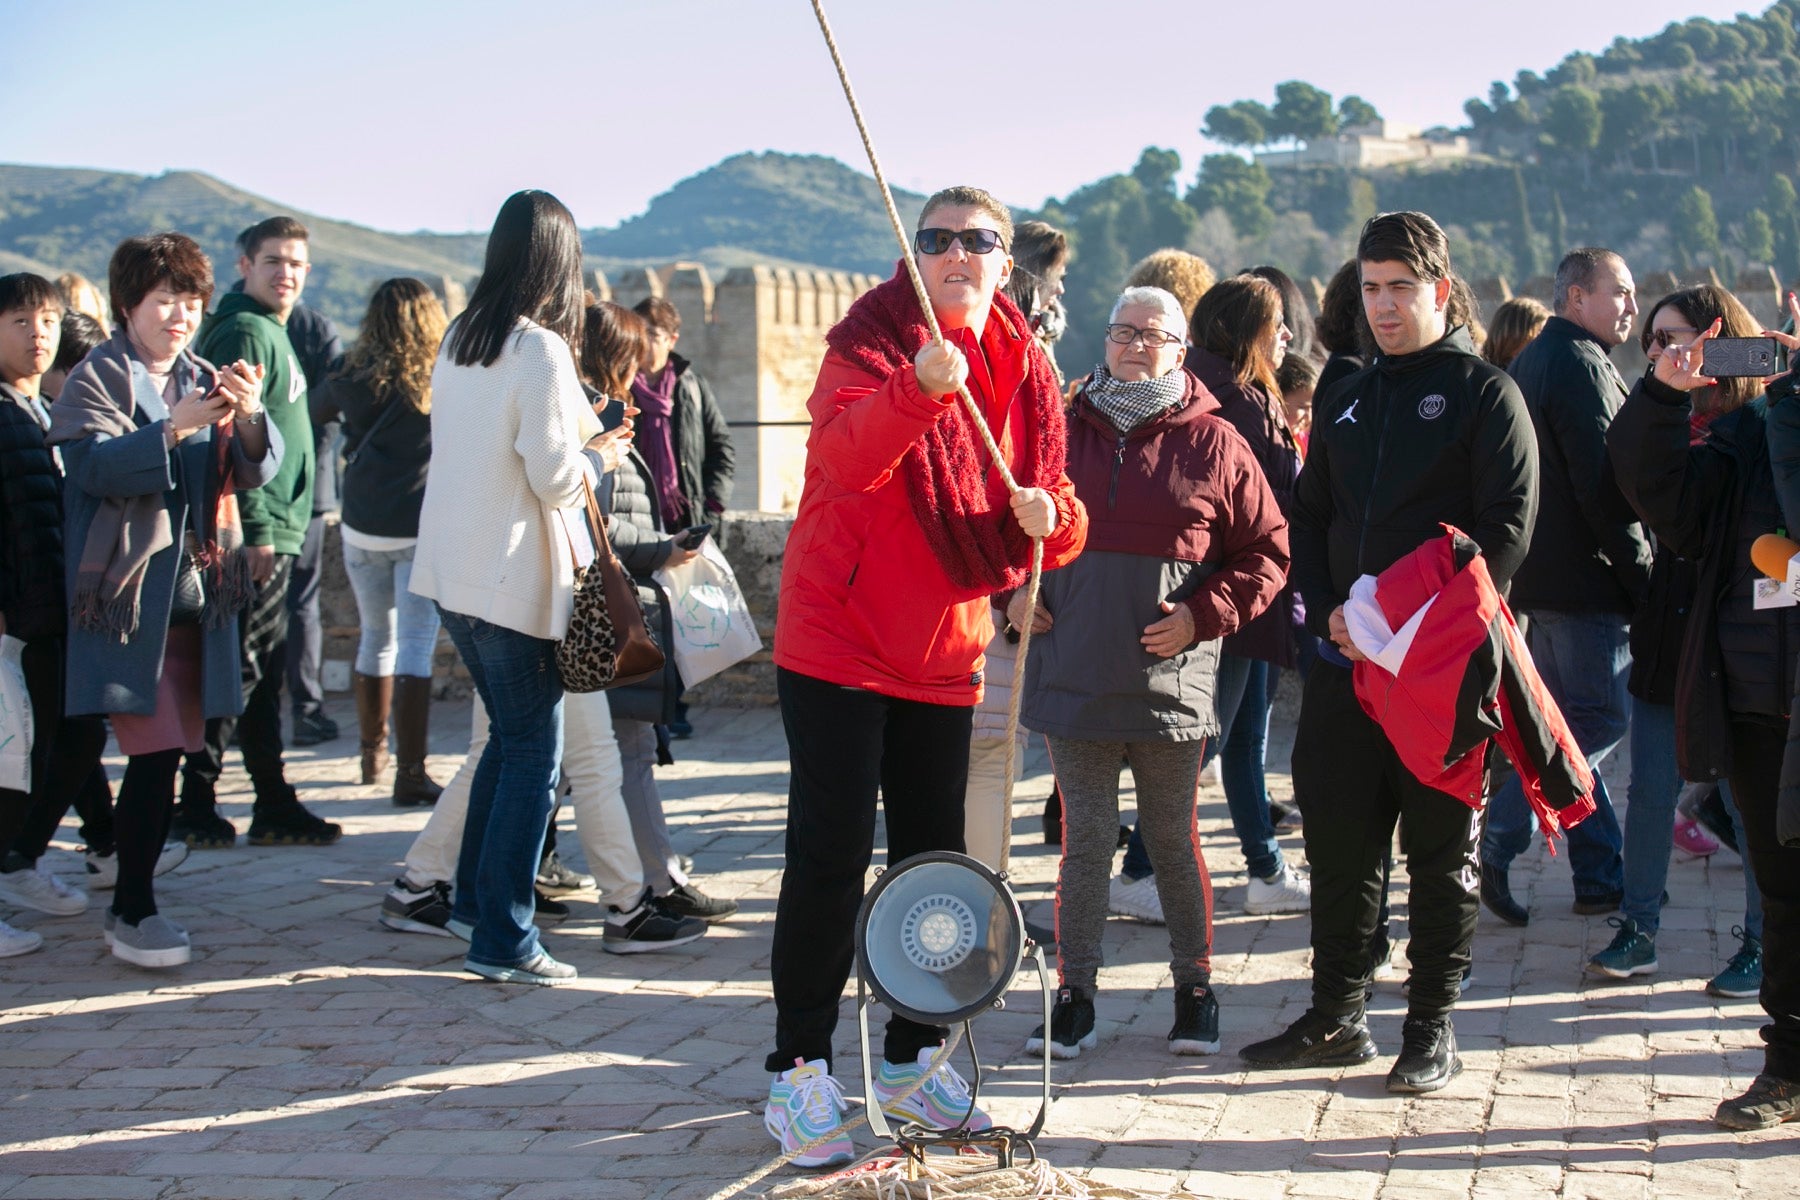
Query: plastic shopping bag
[[712, 624], [15, 718]]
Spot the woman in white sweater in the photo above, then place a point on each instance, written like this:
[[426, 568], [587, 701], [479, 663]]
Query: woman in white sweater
[[509, 423]]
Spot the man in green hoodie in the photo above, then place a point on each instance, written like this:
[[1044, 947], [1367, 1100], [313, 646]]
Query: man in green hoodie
[[252, 325]]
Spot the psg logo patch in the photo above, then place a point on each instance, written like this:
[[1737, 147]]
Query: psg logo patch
[[1432, 407]]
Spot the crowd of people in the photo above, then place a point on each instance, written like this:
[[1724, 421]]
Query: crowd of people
[[1238, 490]]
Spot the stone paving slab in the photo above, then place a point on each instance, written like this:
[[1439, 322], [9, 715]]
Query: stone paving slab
[[309, 1053]]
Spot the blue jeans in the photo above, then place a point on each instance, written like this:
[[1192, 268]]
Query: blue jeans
[[399, 629], [1753, 908], [1650, 815], [1243, 701], [1584, 659], [510, 795]]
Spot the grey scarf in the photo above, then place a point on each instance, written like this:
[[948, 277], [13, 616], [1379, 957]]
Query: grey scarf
[[1130, 403]]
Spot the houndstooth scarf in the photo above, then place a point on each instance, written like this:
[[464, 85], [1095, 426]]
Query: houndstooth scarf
[[1130, 403]]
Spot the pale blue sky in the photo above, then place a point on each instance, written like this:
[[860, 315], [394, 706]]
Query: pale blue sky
[[426, 115]]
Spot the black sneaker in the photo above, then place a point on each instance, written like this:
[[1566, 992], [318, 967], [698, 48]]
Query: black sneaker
[[312, 728], [291, 824], [1196, 1028], [1071, 1026], [650, 927], [1716, 818], [553, 875], [203, 831], [1315, 1040], [422, 910], [689, 901], [548, 909], [1769, 1102], [1428, 1058]]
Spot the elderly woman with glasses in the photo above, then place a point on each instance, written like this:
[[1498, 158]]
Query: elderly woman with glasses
[[1186, 544], [905, 531]]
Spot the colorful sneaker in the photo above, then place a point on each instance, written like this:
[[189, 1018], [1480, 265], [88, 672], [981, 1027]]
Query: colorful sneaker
[[37, 889], [1743, 975], [941, 1102], [417, 910], [1071, 1026], [17, 941], [1135, 898], [103, 869], [1769, 1102], [1196, 1028], [806, 1105], [1692, 839], [1632, 952], [1289, 891]]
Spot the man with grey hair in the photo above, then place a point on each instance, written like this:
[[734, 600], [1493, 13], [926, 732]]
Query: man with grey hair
[[1586, 573]]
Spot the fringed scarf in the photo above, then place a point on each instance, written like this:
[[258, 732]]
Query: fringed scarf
[[99, 399], [980, 546]]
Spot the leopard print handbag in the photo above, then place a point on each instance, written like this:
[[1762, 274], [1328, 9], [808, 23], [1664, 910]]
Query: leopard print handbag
[[607, 644]]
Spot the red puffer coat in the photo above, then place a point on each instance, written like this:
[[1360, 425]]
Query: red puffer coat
[[864, 601]]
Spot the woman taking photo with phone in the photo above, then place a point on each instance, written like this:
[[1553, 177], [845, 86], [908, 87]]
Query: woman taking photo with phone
[[156, 445], [904, 533], [509, 422]]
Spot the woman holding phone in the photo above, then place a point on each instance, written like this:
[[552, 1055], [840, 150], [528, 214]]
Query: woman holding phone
[[156, 444]]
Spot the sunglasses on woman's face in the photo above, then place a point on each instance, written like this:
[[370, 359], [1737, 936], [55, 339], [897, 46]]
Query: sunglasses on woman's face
[[1662, 339], [975, 241]]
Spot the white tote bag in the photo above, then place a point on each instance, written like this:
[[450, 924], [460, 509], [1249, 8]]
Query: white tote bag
[[712, 624], [15, 718]]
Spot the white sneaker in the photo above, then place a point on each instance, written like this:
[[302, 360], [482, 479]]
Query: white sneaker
[[41, 891], [103, 869], [17, 941], [1135, 898], [1288, 892]]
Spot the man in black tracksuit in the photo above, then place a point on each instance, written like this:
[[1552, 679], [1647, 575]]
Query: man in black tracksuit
[[1427, 433]]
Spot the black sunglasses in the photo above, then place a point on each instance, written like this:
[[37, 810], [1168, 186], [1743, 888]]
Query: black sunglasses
[[975, 241]]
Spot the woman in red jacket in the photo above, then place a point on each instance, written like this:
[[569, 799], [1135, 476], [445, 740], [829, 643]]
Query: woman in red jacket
[[904, 531]]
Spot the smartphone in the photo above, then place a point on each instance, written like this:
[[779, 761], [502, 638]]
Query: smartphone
[[695, 534], [1731, 358]]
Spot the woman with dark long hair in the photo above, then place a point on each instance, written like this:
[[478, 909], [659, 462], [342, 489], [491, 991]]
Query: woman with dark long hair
[[509, 422], [383, 396]]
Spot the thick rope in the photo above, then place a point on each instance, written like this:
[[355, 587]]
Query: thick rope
[[884, 1175], [962, 391]]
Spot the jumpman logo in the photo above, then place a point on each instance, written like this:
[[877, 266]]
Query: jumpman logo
[[1349, 414]]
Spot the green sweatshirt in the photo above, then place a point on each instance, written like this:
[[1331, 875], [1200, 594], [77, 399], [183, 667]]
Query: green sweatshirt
[[277, 513]]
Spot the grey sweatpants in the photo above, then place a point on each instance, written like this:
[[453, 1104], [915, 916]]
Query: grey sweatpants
[[637, 755], [1167, 774]]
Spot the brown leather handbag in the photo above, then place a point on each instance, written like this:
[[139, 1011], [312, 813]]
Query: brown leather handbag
[[607, 644]]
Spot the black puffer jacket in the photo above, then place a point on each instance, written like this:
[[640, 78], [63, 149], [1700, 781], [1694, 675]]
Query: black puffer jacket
[[31, 524], [384, 474], [1709, 503], [703, 451], [635, 529], [1400, 448], [1659, 627], [1784, 456], [1590, 554]]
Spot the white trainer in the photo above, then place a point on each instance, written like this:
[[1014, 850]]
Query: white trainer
[[37, 889], [17, 941], [103, 869], [1135, 898], [1288, 892]]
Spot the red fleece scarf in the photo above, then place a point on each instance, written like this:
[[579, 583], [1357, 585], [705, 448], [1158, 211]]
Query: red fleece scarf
[[980, 547]]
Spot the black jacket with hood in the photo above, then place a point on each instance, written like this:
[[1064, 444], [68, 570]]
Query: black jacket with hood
[[1400, 448]]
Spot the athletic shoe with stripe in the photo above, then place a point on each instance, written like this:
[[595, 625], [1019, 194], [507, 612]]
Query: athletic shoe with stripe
[[805, 1105], [942, 1101]]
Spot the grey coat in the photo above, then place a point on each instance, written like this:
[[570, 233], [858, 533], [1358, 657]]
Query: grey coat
[[104, 676], [1091, 678]]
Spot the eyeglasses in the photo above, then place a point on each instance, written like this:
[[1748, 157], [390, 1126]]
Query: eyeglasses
[[975, 241], [1662, 339], [1155, 339]]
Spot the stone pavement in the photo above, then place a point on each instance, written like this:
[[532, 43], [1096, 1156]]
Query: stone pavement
[[309, 1053]]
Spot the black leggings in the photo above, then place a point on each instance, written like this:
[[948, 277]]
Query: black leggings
[[141, 825]]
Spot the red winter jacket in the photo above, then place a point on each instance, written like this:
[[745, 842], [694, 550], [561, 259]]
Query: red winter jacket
[[1447, 671], [864, 602]]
